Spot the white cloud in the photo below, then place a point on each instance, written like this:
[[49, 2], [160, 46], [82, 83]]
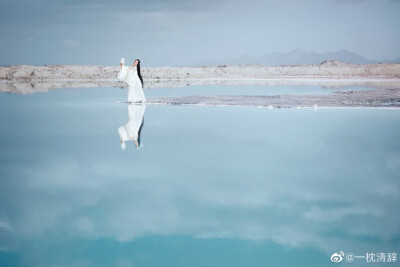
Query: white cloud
[[71, 43]]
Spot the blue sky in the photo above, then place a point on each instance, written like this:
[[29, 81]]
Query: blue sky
[[177, 32]]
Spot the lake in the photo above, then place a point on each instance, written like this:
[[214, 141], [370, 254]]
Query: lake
[[206, 186]]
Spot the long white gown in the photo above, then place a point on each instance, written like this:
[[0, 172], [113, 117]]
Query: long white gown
[[130, 75], [130, 131]]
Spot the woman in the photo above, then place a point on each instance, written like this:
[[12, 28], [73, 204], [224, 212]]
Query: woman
[[132, 76]]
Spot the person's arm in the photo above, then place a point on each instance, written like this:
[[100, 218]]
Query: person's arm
[[122, 62]]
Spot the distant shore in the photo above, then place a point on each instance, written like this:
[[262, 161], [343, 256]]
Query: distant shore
[[331, 74], [385, 78], [327, 69]]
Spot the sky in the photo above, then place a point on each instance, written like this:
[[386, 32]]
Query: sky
[[183, 32]]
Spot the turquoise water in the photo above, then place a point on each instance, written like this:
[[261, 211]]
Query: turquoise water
[[211, 186]]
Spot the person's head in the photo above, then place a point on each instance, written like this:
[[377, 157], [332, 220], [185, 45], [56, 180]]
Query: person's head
[[136, 62]]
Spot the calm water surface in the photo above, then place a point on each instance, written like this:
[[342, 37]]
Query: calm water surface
[[211, 186], [250, 90]]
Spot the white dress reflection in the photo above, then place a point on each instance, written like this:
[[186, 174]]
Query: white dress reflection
[[132, 129]]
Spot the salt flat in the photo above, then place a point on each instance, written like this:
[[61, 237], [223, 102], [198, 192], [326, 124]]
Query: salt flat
[[385, 78], [327, 69], [367, 98]]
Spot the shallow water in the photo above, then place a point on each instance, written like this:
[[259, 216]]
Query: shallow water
[[211, 186], [250, 90]]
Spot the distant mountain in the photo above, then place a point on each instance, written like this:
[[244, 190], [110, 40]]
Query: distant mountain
[[294, 57], [397, 60]]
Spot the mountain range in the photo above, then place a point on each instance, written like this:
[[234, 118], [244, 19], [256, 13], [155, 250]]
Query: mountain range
[[294, 57]]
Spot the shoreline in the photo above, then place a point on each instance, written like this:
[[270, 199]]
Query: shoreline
[[269, 78], [273, 107], [34, 86], [381, 80], [386, 98], [327, 69], [26, 79]]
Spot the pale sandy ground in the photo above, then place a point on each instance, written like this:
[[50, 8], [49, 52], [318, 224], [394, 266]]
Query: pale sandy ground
[[329, 69], [332, 74]]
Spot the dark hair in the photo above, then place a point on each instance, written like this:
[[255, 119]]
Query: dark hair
[[138, 71], [139, 132]]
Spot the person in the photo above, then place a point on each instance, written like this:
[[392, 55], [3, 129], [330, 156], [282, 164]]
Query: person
[[131, 131], [132, 76]]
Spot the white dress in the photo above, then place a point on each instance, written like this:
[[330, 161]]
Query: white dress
[[130, 131], [131, 77]]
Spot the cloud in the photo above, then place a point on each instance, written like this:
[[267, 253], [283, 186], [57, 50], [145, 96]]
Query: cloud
[[360, 1], [167, 32], [71, 43], [137, 201], [349, 1], [289, 180]]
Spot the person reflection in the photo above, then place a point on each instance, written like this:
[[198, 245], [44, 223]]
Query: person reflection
[[132, 129]]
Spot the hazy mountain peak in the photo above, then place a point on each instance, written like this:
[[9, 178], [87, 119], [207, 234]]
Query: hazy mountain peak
[[296, 56], [297, 51]]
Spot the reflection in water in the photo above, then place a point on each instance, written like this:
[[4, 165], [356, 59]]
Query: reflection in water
[[337, 84], [132, 129], [292, 188]]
